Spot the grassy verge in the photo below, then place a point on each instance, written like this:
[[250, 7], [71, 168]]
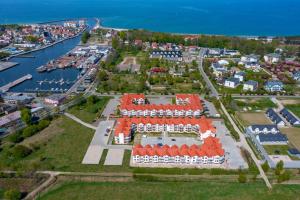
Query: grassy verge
[[88, 112], [170, 190], [294, 109]]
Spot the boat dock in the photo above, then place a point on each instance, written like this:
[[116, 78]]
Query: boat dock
[[7, 65], [10, 85]]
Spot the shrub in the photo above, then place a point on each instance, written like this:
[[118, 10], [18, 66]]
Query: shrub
[[12, 194], [285, 176], [242, 178], [265, 166], [279, 167], [15, 137], [20, 151]]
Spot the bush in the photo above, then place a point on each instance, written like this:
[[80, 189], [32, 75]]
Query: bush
[[265, 166], [279, 167], [30, 131], [12, 194], [20, 151], [242, 178], [285, 176], [16, 137]]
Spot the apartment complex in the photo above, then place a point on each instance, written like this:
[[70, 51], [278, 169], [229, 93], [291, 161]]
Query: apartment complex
[[126, 127], [187, 105], [210, 152]]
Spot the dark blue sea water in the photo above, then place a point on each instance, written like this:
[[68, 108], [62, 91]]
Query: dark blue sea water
[[230, 17]]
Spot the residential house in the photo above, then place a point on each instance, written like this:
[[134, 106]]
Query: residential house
[[252, 58], [240, 75], [263, 128], [273, 86], [296, 76], [250, 85], [290, 117], [232, 82], [272, 58], [272, 139], [218, 69], [274, 117]]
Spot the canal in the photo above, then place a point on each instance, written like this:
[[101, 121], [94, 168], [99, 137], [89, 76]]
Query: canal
[[41, 57]]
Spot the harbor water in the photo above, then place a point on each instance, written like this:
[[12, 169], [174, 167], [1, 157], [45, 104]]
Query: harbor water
[[57, 80]]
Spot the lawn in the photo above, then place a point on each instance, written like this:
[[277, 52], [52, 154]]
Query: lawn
[[294, 109], [249, 118], [89, 112], [276, 149], [255, 103], [293, 135], [64, 151], [170, 190]]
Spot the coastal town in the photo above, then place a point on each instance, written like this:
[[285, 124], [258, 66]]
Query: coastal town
[[148, 106]]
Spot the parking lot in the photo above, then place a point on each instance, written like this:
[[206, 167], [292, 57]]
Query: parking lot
[[111, 107], [170, 141], [233, 157], [211, 110]]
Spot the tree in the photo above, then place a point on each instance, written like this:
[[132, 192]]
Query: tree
[[103, 76], [85, 37], [242, 178], [12, 194], [265, 166], [26, 116], [279, 167]]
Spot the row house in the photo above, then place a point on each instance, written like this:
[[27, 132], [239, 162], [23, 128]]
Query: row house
[[136, 105], [126, 127], [210, 152]]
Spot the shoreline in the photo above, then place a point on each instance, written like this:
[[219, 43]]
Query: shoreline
[[173, 33]]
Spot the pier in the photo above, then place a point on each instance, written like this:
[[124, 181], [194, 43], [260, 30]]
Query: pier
[[10, 85], [7, 65]]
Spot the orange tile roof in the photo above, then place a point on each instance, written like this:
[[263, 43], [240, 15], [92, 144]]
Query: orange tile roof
[[194, 103], [124, 124], [211, 147]]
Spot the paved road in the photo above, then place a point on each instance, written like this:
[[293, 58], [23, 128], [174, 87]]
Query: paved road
[[80, 121], [209, 84], [266, 96]]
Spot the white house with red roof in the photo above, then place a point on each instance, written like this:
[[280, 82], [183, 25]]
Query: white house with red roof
[[210, 152], [187, 105], [126, 127]]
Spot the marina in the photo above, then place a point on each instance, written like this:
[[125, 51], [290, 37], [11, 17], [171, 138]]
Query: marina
[[7, 65], [42, 57], [7, 87]]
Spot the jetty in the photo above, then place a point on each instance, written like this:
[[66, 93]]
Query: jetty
[[10, 85], [7, 65]]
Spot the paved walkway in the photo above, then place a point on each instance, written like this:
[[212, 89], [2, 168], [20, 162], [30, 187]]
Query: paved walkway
[[80, 121], [98, 143]]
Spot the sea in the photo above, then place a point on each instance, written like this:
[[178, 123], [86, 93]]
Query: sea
[[220, 17], [228, 17]]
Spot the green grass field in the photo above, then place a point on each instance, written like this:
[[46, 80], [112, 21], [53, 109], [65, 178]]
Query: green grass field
[[64, 151], [294, 108], [276, 149], [171, 190], [89, 113]]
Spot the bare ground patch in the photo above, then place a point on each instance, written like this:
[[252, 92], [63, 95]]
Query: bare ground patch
[[249, 118]]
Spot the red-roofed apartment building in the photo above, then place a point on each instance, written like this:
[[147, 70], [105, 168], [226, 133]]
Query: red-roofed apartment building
[[187, 105], [210, 152], [125, 127]]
